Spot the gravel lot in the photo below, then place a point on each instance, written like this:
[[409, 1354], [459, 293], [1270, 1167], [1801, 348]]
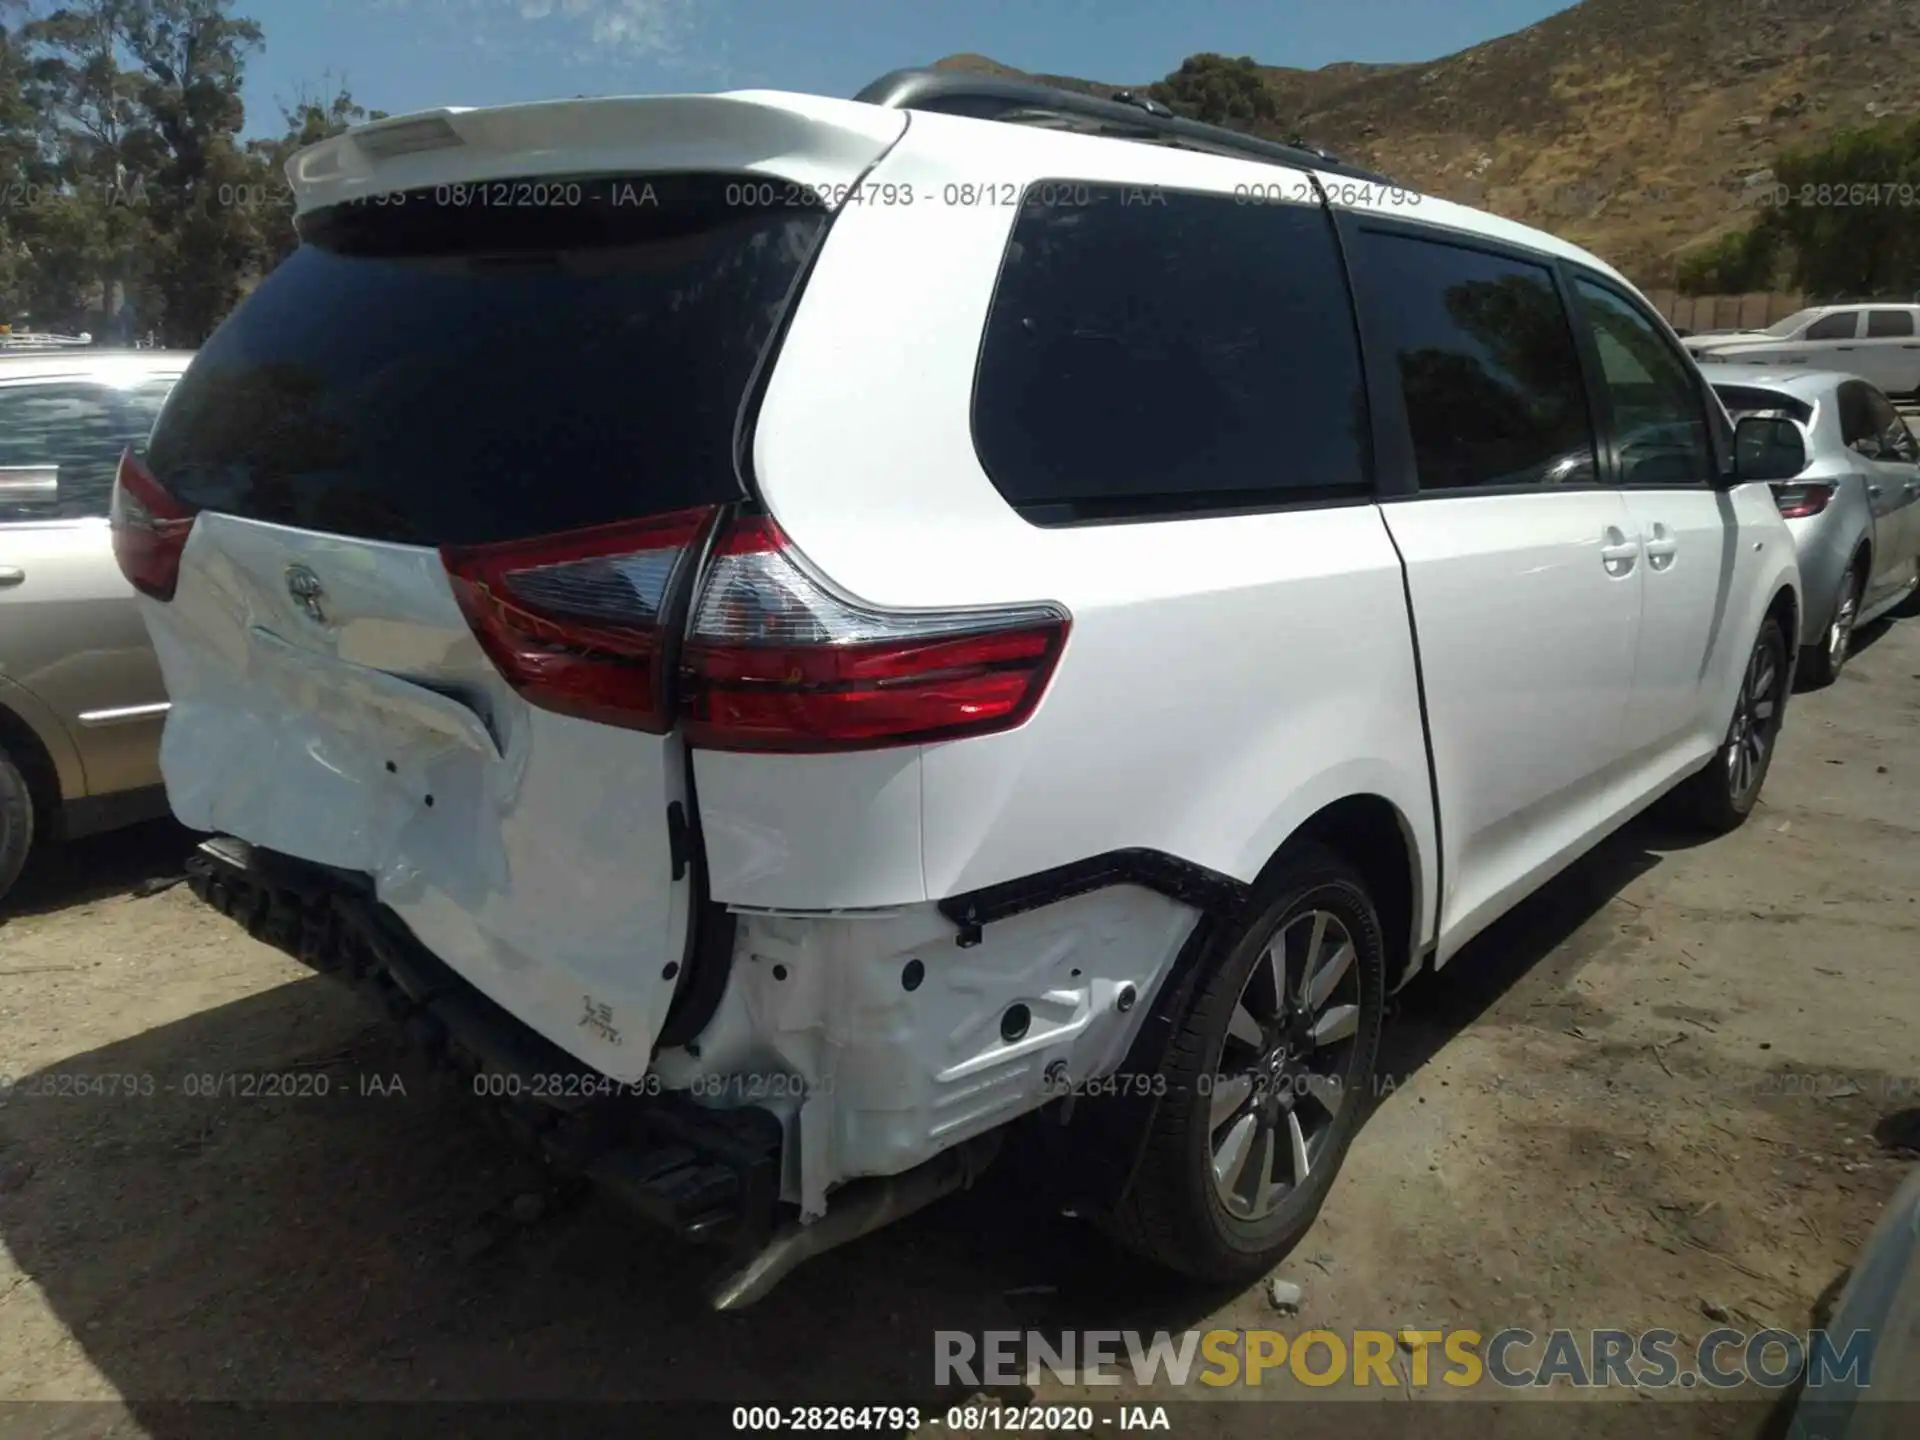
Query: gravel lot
[[1680, 1078]]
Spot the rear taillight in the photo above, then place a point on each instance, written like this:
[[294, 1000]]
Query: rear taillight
[[1799, 500], [573, 621], [776, 660], [150, 529]]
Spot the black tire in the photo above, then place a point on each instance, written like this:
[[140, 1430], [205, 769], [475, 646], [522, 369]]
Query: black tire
[[1721, 796], [1173, 1213], [16, 822], [1820, 665]]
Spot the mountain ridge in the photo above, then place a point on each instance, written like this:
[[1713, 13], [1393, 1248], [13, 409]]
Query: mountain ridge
[[1637, 128]]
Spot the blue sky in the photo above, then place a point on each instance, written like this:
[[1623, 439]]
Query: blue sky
[[401, 55]]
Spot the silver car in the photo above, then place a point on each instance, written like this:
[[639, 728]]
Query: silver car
[[1878, 343], [1854, 508], [81, 699]]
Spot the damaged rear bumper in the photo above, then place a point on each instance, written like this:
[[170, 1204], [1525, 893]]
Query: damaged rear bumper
[[702, 1173], [900, 1073]]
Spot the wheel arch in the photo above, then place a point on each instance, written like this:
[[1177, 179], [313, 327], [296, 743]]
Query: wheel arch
[[1378, 839], [42, 749], [1382, 815], [1861, 558], [1820, 612], [1785, 607], [1367, 830]]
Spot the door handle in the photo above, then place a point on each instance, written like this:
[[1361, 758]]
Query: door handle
[[11, 575], [1618, 553], [1874, 491], [1661, 547]]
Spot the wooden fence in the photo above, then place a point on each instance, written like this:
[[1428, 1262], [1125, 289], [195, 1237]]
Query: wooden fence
[[1699, 313]]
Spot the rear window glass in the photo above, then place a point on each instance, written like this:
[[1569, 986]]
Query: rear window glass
[[1753, 400], [1160, 352], [468, 364]]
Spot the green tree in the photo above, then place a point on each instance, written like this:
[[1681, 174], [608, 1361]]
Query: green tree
[[1843, 220], [312, 116], [206, 198], [80, 217], [123, 175], [1219, 91], [1736, 263], [157, 198], [1850, 211], [21, 164]]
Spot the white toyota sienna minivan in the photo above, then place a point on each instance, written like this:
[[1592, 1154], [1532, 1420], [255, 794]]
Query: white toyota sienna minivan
[[784, 635]]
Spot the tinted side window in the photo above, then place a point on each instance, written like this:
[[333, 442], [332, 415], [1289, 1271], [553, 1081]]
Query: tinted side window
[[1191, 353], [1884, 324], [1486, 361], [1659, 414], [1896, 441], [77, 426], [1842, 325], [1856, 414]]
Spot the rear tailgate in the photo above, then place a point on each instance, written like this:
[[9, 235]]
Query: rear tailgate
[[452, 467]]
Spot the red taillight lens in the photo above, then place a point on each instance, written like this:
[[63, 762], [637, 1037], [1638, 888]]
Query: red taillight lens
[[1797, 501], [775, 660], [150, 529], [573, 621]]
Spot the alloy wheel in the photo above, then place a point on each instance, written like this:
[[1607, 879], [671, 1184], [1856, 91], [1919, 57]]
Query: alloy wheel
[[1281, 1080], [1754, 720], [1840, 633]]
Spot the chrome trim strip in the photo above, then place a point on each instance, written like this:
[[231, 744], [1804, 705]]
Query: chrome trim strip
[[91, 718]]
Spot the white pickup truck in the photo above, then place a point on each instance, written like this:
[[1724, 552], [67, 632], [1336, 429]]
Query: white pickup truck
[[1879, 343]]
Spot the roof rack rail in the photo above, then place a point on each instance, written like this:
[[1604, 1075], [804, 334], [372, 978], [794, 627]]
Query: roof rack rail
[[1128, 116]]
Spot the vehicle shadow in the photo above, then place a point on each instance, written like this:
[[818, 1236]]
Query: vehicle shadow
[[344, 1241], [1539, 941], [116, 863], [1867, 636]]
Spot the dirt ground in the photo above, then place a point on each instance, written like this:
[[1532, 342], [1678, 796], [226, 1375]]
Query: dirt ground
[[1676, 1080]]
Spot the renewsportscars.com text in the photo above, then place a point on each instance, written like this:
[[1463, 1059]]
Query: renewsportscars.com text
[[1509, 1359]]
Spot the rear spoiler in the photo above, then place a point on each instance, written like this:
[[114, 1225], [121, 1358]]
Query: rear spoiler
[[805, 139]]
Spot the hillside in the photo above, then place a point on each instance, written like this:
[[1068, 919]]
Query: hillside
[[1635, 127]]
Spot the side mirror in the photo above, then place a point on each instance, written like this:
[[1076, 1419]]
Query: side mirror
[[1766, 447], [27, 484]]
